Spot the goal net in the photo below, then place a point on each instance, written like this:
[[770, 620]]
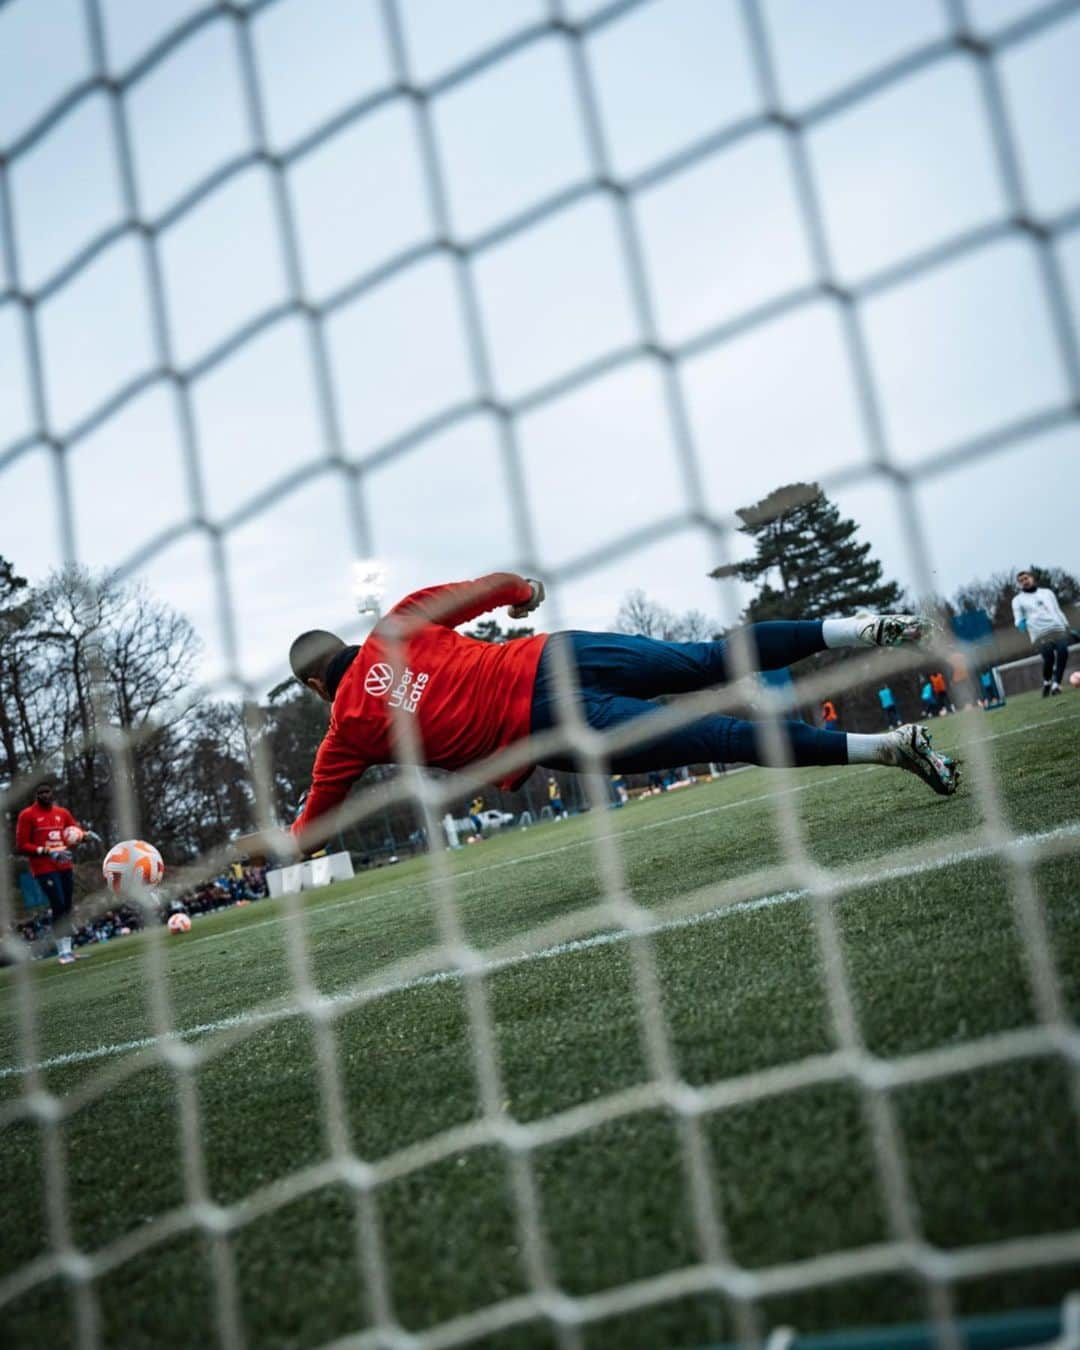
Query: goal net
[[295, 290]]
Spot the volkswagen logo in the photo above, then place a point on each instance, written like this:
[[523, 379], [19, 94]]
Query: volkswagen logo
[[379, 679]]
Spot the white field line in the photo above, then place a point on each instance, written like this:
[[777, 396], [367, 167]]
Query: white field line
[[589, 842], [548, 953], [1027, 726]]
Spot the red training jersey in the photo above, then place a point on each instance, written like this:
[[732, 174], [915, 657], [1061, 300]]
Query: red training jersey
[[469, 698], [43, 827]]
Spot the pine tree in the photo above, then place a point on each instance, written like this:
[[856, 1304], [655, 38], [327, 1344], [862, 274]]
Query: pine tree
[[803, 543]]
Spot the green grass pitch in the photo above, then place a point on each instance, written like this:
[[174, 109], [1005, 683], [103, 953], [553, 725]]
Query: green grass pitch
[[933, 958]]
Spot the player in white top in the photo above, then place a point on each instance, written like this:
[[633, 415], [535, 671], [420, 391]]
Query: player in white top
[[1037, 612]]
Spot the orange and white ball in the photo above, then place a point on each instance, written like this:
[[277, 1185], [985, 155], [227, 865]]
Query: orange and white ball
[[131, 867], [74, 834], [179, 923]]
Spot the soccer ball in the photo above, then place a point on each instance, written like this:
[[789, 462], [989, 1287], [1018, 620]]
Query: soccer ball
[[179, 923], [73, 835], [131, 867], [1074, 679]]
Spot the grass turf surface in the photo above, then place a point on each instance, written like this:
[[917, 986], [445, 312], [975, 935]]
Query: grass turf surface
[[933, 959]]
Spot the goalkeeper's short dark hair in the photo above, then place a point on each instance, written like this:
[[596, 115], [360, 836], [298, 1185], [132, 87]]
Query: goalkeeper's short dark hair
[[312, 652]]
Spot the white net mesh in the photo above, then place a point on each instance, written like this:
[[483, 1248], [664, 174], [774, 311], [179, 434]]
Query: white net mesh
[[61, 419]]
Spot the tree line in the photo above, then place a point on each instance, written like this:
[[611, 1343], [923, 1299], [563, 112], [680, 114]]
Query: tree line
[[83, 657], [807, 562]]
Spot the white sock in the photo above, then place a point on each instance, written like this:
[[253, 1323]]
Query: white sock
[[840, 632], [868, 749], [65, 946]]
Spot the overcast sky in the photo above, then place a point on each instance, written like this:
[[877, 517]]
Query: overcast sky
[[967, 348]]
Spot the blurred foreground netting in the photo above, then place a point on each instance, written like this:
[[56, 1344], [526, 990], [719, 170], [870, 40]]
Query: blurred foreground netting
[[492, 1201]]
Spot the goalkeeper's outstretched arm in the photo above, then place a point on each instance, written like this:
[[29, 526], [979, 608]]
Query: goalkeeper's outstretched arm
[[458, 602], [337, 767]]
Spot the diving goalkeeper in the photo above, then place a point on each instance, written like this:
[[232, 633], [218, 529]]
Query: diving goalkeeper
[[471, 698]]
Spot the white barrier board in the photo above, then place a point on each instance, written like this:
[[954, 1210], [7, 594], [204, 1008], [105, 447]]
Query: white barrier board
[[285, 880], [308, 876]]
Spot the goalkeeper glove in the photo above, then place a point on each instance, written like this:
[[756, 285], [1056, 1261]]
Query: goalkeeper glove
[[533, 602], [60, 855]]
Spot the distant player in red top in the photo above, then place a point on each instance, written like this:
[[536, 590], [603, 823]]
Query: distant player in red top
[[45, 834], [468, 699]]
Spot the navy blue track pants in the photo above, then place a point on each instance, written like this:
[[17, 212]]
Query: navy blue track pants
[[1055, 657], [619, 675], [58, 888]]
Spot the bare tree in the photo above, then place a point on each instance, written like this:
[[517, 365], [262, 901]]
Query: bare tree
[[94, 653], [692, 626], [17, 740], [995, 592], [293, 723], [72, 612], [209, 799], [639, 614]]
